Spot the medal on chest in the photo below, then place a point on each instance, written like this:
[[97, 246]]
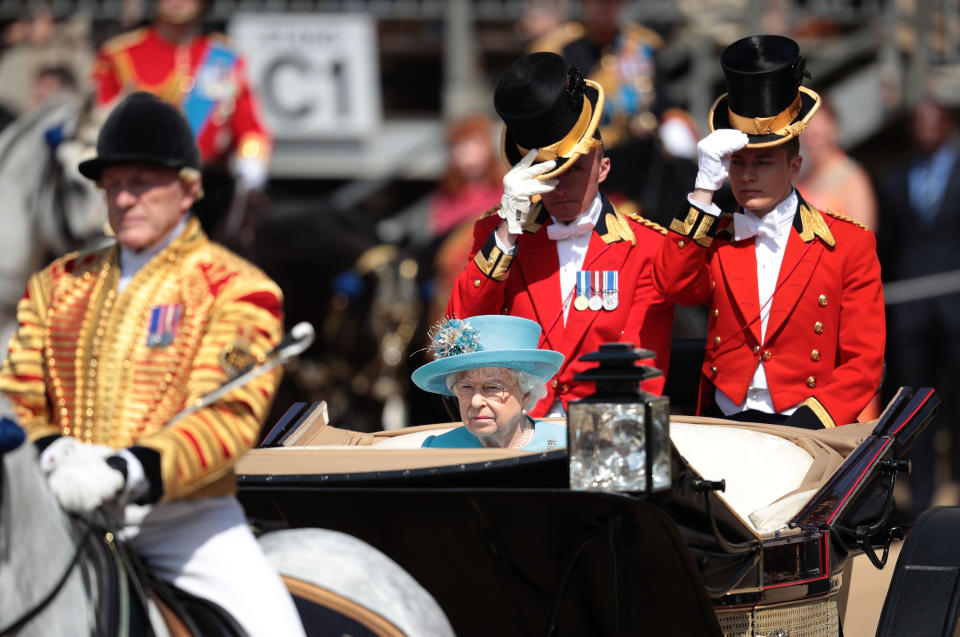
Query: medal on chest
[[583, 287], [611, 294], [596, 301], [164, 323]]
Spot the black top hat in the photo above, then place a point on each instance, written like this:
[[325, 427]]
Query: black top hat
[[545, 103], [143, 129], [764, 98]]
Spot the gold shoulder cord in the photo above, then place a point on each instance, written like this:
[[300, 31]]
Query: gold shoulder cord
[[859, 224], [647, 222]]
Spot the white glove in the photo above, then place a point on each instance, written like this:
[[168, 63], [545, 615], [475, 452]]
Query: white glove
[[714, 151], [251, 172], [85, 481], [519, 185], [58, 453]]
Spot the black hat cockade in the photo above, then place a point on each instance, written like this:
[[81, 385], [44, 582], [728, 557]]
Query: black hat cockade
[[143, 129], [545, 103], [764, 98]]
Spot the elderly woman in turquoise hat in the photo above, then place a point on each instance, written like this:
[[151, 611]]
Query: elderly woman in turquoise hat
[[494, 368]]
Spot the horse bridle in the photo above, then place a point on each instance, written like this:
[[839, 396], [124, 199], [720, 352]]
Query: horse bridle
[[40, 605]]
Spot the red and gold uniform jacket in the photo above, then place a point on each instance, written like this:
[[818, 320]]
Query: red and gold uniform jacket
[[206, 78], [826, 331], [115, 369], [527, 284]]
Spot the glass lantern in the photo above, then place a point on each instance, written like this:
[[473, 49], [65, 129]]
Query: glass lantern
[[619, 436]]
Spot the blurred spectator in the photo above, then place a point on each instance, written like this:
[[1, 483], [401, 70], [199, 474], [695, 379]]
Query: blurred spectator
[[37, 42], [650, 144], [50, 81], [471, 185], [203, 74], [472, 182], [919, 236], [829, 178]]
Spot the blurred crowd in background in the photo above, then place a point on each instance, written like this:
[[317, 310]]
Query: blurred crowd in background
[[366, 228]]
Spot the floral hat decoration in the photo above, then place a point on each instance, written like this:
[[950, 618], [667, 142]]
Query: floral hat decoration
[[485, 341]]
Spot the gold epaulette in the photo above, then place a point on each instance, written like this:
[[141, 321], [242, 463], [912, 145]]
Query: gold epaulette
[[124, 41], [841, 217], [640, 33], [555, 40], [222, 39], [646, 222]]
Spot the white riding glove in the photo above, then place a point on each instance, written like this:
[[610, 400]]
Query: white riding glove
[[714, 152], [519, 185], [58, 453], [84, 480]]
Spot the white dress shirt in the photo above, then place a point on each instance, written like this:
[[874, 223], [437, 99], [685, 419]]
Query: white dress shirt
[[131, 262], [771, 232], [571, 249], [571, 253]]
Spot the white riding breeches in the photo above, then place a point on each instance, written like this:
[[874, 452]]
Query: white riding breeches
[[205, 547]]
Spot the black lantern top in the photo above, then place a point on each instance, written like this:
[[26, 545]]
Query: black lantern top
[[618, 376]]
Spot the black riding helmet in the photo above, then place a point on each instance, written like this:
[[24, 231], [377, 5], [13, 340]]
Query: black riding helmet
[[143, 129]]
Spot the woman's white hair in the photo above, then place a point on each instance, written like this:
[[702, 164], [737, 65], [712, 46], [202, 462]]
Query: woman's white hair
[[534, 387]]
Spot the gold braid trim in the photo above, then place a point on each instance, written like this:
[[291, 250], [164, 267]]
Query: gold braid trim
[[653, 225], [820, 411], [841, 217]]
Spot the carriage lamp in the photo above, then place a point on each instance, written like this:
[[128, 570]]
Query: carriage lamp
[[619, 436]]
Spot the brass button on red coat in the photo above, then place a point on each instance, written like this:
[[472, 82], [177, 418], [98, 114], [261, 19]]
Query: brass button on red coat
[[713, 369], [822, 300], [767, 355], [553, 383], [815, 355], [716, 312], [811, 382], [476, 283], [756, 350], [716, 340], [681, 243], [818, 327], [564, 389]]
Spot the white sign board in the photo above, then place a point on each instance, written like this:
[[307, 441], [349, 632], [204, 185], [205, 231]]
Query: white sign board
[[316, 74]]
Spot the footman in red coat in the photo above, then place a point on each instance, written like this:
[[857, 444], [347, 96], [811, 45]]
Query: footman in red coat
[[569, 261], [796, 332]]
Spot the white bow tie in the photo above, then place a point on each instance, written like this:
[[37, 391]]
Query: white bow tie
[[749, 225], [560, 231]]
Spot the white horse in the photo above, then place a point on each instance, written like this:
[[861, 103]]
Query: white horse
[[49, 574], [48, 207]]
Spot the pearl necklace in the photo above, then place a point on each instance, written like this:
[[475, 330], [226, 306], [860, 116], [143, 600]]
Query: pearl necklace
[[527, 435]]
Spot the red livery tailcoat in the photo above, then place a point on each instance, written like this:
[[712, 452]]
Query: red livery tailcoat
[[206, 78], [826, 332], [527, 284]]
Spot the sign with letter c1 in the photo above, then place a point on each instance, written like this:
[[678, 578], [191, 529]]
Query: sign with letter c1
[[316, 74]]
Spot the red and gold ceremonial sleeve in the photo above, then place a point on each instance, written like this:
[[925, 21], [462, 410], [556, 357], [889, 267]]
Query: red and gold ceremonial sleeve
[[246, 322], [481, 287], [22, 374], [680, 271], [254, 141]]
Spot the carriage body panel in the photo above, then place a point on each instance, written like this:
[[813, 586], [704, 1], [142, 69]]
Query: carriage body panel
[[508, 518]]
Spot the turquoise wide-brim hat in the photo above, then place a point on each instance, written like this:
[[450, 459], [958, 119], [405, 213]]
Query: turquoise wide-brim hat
[[485, 341]]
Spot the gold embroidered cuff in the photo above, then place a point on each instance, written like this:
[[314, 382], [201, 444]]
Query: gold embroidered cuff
[[820, 411], [696, 224], [492, 261]]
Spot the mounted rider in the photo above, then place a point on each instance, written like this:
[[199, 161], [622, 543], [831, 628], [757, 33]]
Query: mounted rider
[[113, 344]]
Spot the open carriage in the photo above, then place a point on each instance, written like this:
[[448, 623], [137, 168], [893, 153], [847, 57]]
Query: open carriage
[[752, 537]]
